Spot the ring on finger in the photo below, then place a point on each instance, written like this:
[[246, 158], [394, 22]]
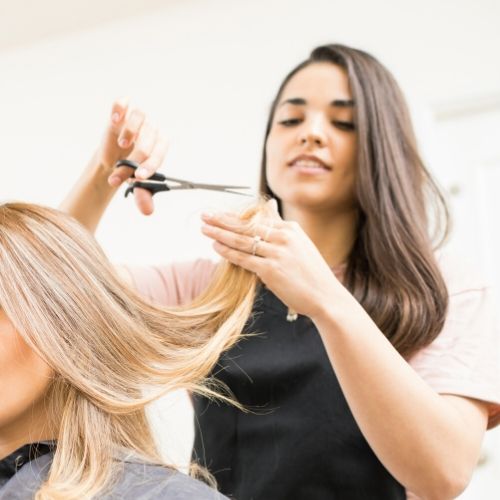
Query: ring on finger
[[256, 240]]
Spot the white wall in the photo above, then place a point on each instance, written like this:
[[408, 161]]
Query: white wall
[[207, 72]]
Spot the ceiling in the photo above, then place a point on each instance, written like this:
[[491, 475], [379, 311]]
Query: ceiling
[[25, 22]]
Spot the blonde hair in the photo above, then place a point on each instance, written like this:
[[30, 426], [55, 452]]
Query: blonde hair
[[105, 343]]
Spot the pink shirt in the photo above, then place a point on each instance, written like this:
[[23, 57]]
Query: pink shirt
[[463, 360]]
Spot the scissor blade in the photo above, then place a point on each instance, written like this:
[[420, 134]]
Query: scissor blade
[[218, 186], [221, 188], [209, 188], [199, 185], [236, 192]]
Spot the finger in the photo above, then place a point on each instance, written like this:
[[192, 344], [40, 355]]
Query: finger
[[119, 175], [118, 113], [268, 231], [144, 201], [144, 143], [249, 262], [239, 242], [130, 129], [233, 222], [227, 220], [155, 160]]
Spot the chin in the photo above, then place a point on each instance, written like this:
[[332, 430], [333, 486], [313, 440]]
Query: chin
[[317, 201], [307, 198]]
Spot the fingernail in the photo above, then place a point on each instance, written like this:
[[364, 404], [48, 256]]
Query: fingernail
[[142, 172], [114, 181], [123, 143], [115, 117], [207, 215]]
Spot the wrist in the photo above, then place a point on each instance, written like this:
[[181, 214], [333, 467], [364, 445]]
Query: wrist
[[99, 173], [97, 167], [334, 310]]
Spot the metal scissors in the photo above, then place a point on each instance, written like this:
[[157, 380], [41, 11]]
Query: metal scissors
[[158, 182]]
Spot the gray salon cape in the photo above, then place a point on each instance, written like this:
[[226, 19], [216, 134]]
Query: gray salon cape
[[139, 481]]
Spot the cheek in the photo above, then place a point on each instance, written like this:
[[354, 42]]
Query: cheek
[[275, 158], [347, 165], [24, 377], [344, 186]]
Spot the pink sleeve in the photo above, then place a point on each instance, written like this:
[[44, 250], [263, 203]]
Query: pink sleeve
[[464, 359], [174, 284]]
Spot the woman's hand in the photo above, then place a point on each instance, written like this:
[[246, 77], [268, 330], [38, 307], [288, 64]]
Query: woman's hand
[[282, 256], [130, 135]]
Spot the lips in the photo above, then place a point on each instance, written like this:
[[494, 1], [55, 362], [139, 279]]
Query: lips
[[309, 162]]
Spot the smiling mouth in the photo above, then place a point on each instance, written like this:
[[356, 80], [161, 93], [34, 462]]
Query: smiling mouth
[[309, 165]]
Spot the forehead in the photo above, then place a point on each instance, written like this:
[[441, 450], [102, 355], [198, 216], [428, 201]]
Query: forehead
[[318, 82]]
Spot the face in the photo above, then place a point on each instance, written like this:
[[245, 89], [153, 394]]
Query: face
[[24, 380], [311, 147]]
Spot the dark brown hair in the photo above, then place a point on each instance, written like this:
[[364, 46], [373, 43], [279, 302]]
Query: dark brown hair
[[391, 270]]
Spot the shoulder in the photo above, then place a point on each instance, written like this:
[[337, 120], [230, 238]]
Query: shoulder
[[183, 270], [28, 479], [147, 482], [461, 273], [172, 284], [138, 481], [464, 359]]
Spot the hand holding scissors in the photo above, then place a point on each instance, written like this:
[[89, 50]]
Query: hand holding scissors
[[130, 134], [158, 182]]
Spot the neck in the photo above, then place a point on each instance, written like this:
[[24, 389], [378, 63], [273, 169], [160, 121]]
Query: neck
[[30, 427], [333, 234]]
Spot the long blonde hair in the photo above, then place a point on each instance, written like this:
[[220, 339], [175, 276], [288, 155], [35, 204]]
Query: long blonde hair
[[105, 343]]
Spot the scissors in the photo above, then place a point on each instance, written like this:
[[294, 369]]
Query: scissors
[[158, 182]]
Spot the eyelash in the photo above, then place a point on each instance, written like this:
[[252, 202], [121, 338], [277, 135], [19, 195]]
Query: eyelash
[[348, 126], [290, 123]]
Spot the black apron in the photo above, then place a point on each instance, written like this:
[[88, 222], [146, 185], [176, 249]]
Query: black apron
[[299, 439]]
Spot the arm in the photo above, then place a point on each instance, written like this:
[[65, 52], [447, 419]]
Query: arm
[[128, 135], [90, 196], [429, 442]]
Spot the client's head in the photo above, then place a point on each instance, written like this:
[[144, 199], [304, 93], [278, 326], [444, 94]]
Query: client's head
[[81, 354]]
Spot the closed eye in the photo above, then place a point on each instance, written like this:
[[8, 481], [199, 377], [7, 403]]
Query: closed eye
[[344, 125], [290, 122]]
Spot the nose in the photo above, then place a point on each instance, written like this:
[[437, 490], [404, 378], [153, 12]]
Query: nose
[[313, 132]]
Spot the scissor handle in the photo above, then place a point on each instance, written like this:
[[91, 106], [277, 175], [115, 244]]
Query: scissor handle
[[152, 187], [134, 166]]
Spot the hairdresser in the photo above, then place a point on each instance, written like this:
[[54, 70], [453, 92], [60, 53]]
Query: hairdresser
[[375, 373]]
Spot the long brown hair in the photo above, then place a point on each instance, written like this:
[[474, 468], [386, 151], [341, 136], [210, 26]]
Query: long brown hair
[[391, 270]]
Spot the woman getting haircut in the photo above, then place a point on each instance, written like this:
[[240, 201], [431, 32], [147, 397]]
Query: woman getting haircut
[[377, 370], [82, 354]]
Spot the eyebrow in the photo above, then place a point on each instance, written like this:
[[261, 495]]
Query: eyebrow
[[336, 103]]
